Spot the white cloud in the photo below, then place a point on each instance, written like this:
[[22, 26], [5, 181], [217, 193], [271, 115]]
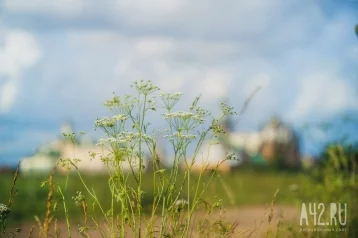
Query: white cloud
[[216, 84], [213, 48], [323, 94], [210, 47], [154, 46], [176, 63], [218, 68], [18, 52], [226, 19], [173, 84], [95, 38]]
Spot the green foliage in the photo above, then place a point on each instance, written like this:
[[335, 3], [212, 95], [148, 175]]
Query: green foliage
[[247, 187], [341, 157], [336, 181]]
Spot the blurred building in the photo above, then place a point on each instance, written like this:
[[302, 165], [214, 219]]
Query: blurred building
[[279, 142], [276, 143], [87, 156], [42, 161]]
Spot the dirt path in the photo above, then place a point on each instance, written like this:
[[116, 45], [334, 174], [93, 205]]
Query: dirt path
[[252, 221]]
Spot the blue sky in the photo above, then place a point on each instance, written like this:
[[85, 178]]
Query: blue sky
[[60, 61]]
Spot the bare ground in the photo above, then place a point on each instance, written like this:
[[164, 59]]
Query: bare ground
[[252, 221]]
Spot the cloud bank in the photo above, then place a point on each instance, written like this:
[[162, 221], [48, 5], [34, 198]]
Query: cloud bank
[[61, 60]]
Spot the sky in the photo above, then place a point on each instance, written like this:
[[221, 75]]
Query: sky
[[60, 61]]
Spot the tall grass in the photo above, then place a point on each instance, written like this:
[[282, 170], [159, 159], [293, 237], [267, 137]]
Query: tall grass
[[334, 181], [128, 135]]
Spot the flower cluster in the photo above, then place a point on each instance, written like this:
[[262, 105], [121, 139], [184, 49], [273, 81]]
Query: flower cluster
[[119, 117], [110, 121], [145, 88], [231, 156], [119, 106], [180, 205], [216, 127], [184, 121], [105, 122], [180, 140], [227, 110], [113, 103], [68, 163], [170, 99], [4, 211], [180, 136], [201, 112], [183, 115], [124, 138]]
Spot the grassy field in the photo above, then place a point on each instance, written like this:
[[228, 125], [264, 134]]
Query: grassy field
[[240, 188], [246, 194]]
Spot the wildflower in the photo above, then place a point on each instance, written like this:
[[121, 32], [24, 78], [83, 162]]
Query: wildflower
[[180, 140], [180, 204], [181, 136], [169, 99], [129, 101], [230, 156], [119, 117], [114, 102], [202, 112], [145, 88], [184, 120], [124, 138], [217, 128], [109, 140], [227, 110], [70, 136], [92, 154], [105, 122], [4, 211]]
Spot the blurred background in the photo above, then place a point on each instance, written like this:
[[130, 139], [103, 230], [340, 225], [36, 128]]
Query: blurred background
[[60, 61]]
